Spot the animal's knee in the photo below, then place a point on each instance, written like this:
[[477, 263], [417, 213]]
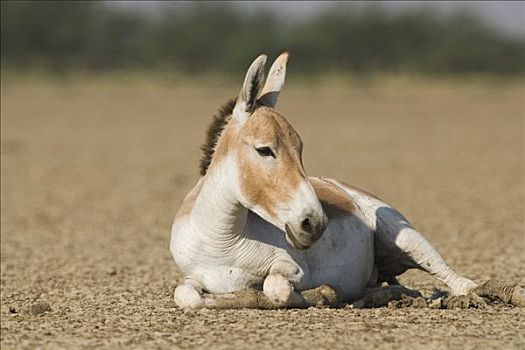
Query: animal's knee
[[278, 289], [287, 269], [188, 297]]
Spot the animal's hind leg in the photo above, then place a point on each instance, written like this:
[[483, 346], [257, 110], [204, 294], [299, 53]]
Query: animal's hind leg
[[381, 296], [400, 247]]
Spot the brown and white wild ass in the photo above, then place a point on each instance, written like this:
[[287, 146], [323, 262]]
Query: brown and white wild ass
[[256, 221]]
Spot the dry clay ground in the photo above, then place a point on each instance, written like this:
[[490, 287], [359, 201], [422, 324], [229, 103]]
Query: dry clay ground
[[93, 172]]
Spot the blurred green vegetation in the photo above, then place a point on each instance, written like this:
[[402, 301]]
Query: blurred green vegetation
[[206, 38]]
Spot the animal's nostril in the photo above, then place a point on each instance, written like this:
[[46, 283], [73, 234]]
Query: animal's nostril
[[306, 225]]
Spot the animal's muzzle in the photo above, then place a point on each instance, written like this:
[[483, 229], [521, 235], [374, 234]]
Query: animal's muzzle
[[309, 230]]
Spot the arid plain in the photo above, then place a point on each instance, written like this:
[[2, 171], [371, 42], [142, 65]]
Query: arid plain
[[93, 171]]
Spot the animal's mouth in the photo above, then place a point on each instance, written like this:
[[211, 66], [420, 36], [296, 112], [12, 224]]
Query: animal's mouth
[[293, 240]]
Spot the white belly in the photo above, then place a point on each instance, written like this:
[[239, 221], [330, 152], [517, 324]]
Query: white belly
[[343, 258]]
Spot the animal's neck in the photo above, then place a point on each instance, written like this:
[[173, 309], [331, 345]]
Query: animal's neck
[[217, 214]]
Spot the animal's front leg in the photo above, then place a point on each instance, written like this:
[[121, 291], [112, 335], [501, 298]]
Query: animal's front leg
[[278, 288], [255, 299], [278, 292], [189, 297]]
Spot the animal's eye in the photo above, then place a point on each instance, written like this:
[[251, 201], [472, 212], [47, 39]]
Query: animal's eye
[[265, 151]]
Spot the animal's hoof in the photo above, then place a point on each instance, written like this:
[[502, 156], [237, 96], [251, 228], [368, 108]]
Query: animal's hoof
[[507, 292], [187, 297], [463, 286], [278, 290]]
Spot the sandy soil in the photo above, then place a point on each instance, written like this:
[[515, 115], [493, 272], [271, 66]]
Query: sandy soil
[[93, 172]]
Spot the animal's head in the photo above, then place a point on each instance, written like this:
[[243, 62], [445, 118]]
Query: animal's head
[[265, 153]]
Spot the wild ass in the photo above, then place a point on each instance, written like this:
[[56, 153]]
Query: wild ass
[[255, 220]]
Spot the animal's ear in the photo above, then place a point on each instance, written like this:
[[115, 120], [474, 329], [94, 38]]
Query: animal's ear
[[247, 100], [275, 81]]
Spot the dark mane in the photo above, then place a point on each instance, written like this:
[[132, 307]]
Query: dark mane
[[214, 133]]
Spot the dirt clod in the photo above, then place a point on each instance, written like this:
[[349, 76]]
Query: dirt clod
[[39, 308], [468, 301]]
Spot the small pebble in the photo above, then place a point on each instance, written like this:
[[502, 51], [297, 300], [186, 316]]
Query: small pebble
[[39, 308]]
